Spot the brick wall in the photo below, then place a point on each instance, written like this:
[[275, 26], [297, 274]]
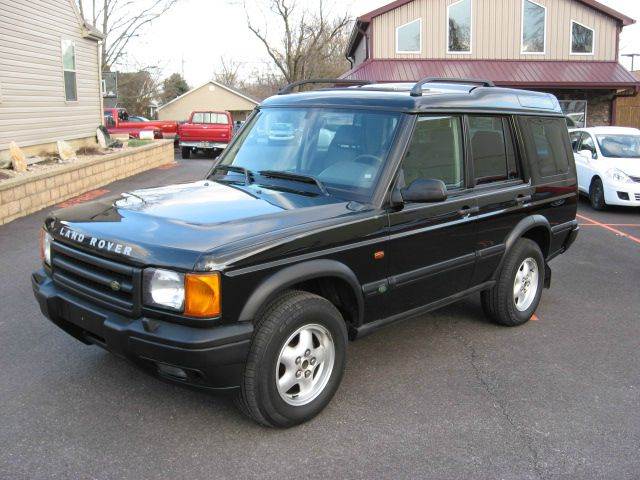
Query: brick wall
[[24, 195]]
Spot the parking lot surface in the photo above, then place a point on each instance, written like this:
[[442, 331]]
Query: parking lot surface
[[444, 395]]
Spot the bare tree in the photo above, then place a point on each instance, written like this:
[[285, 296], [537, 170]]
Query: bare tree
[[228, 74], [312, 43], [120, 21], [137, 90]]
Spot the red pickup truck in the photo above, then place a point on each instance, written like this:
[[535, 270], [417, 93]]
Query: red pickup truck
[[205, 130], [118, 122]]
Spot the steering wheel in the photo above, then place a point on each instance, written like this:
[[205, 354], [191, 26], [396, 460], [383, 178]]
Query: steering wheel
[[368, 159]]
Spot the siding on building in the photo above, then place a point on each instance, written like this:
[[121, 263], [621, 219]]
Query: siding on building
[[496, 30], [33, 108], [210, 96]]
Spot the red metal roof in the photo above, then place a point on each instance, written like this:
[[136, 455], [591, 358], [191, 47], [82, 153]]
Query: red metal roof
[[512, 73], [622, 18]]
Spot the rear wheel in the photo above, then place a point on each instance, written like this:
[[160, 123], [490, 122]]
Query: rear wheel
[[596, 195], [186, 153], [516, 295], [295, 362]]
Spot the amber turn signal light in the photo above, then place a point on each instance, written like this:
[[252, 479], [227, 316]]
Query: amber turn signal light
[[202, 295]]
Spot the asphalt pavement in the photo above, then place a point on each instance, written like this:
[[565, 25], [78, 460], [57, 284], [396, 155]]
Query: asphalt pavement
[[447, 395]]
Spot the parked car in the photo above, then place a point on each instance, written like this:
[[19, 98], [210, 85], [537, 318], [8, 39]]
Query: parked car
[[608, 165], [205, 130], [118, 121], [254, 278]]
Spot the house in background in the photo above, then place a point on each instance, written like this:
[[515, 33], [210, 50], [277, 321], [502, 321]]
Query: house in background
[[565, 47], [209, 96], [49, 76]]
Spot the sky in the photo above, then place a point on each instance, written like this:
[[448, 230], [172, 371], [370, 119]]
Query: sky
[[195, 34]]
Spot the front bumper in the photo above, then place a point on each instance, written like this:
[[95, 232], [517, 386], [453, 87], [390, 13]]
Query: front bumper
[[221, 146], [211, 358], [623, 194]]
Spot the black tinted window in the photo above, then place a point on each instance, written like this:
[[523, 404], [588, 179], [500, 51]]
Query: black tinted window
[[436, 152], [546, 141], [494, 158]]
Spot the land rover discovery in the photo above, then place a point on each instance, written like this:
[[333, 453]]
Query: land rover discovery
[[370, 204]]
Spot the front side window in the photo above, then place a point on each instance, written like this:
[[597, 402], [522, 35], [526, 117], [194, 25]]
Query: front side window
[[409, 37], [588, 144], [534, 18], [69, 69], [581, 39], [459, 27], [435, 152], [619, 146], [342, 148], [492, 149], [546, 144]]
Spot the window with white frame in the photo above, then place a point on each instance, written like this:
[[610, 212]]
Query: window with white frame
[[534, 20], [581, 39], [409, 37], [459, 27], [69, 69]]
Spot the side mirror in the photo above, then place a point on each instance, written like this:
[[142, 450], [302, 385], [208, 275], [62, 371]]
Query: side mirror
[[425, 191], [588, 154]]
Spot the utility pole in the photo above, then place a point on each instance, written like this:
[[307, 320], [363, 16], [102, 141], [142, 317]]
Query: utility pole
[[182, 64]]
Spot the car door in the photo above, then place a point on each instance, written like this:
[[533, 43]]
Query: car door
[[499, 185], [585, 164], [431, 245]]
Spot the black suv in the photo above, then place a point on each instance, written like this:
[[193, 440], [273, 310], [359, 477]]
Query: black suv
[[332, 213]]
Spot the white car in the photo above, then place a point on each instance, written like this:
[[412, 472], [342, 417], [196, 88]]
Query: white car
[[608, 165]]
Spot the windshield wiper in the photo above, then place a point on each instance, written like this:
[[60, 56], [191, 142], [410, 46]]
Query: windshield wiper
[[295, 177], [235, 169]]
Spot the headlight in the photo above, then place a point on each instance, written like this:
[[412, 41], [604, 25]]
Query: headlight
[[618, 176], [45, 247], [194, 294], [164, 288]]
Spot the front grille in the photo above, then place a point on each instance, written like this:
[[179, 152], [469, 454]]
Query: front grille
[[92, 277], [637, 197]]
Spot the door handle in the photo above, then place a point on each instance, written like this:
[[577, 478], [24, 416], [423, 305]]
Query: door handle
[[523, 198], [468, 211]]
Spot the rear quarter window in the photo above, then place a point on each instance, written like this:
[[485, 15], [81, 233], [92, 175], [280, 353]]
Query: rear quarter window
[[546, 142]]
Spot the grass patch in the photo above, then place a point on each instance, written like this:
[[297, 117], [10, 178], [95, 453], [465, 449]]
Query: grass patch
[[136, 142]]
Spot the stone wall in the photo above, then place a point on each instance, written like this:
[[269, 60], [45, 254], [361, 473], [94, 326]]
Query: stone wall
[[27, 194], [599, 104]]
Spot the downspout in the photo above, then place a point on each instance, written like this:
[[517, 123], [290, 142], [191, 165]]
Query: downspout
[[351, 59]]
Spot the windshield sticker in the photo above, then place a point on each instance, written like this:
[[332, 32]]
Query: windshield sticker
[[96, 243]]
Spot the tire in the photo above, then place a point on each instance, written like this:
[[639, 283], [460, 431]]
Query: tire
[[501, 303], [186, 153], [278, 352], [596, 195]]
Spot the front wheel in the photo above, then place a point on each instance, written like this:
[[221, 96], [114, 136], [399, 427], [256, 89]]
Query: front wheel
[[516, 295], [596, 195], [296, 360]]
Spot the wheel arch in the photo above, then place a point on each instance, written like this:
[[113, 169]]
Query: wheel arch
[[322, 276], [533, 227]]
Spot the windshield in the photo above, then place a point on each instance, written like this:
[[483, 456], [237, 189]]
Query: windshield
[[344, 150], [619, 146]]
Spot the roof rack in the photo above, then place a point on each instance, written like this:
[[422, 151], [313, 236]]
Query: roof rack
[[336, 81], [416, 91]]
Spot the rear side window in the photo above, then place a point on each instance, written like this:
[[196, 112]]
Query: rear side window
[[492, 149], [575, 140], [546, 142], [436, 152]]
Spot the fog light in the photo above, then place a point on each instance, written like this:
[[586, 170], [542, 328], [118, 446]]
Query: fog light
[[171, 371], [623, 195]]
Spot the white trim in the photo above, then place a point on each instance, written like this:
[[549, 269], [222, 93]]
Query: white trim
[[419, 20], [544, 42], [229, 89], [593, 39], [461, 52]]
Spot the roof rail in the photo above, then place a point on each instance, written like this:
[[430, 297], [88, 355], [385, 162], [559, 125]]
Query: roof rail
[[336, 81], [416, 91]]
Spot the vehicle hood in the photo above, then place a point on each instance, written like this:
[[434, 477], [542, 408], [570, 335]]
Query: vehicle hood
[[173, 226], [630, 166]]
